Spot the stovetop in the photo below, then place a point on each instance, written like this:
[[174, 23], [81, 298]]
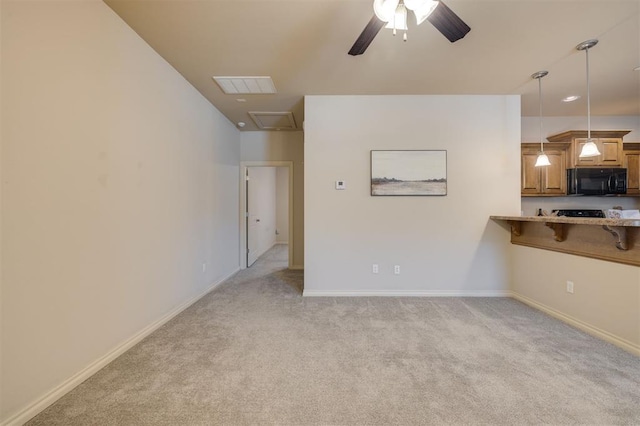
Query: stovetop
[[580, 213]]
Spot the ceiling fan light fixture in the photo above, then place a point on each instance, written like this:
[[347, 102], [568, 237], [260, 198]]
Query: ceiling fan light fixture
[[399, 20], [385, 9], [421, 8], [436, 12]]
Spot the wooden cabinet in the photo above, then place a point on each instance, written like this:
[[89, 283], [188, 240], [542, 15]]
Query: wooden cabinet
[[543, 181], [563, 151], [609, 144], [610, 153], [631, 162]]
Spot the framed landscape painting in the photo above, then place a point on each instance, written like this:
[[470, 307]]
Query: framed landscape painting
[[409, 172]]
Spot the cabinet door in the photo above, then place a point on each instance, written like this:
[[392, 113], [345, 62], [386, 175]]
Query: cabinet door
[[530, 174], [554, 177], [631, 161], [610, 153]]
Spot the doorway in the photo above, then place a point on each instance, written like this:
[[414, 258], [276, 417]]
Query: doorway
[[266, 206]]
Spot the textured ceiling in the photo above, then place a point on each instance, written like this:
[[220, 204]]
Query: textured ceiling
[[303, 44]]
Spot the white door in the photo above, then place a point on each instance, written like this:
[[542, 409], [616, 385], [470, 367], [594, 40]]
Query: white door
[[265, 217], [253, 221], [261, 211]]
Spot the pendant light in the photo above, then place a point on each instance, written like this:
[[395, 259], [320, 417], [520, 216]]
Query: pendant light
[[542, 160], [590, 149]]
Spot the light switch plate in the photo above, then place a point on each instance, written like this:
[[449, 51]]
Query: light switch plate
[[340, 184]]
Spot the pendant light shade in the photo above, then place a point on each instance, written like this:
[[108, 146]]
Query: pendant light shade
[[542, 160], [589, 149]]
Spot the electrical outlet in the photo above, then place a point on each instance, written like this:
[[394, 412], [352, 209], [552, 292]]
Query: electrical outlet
[[374, 268], [570, 287], [396, 269]]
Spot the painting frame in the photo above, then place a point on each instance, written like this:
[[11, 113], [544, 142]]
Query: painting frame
[[408, 173]]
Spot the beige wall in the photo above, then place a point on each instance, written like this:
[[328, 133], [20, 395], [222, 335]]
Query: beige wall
[[282, 146], [115, 192], [606, 298], [444, 245]]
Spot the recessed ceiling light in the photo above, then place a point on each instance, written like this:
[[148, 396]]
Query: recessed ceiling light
[[241, 100], [241, 124], [571, 98]]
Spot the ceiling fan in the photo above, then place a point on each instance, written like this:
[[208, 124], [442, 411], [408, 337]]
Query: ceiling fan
[[393, 14]]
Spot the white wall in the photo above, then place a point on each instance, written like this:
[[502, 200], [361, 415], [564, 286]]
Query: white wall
[[282, 204], [444, 245], [555, 125], [262, 207], [1, 220], [530, 205], [282, 146], [115, 192]]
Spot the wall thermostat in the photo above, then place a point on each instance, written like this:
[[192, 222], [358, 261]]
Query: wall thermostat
[[340, 184]]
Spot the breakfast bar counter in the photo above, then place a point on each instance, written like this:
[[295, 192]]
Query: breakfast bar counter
[[613, 240]]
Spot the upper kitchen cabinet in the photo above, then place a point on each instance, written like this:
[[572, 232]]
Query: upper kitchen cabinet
[[631, 162], [609, 144], [545, 181]]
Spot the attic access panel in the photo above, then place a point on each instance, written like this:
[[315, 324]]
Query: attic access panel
[[274, 120]]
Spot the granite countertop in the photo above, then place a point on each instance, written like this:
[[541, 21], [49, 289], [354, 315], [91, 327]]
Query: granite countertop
[[634, 223]]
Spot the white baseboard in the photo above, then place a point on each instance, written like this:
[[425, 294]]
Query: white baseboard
[[59, 391], [406, 293], [581, 325]]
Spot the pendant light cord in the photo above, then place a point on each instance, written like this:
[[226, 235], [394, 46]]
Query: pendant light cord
[[540, 96], [588, 100]]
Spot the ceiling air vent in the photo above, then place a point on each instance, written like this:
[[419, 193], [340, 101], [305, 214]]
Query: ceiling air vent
[[246, 85], [274, 120]]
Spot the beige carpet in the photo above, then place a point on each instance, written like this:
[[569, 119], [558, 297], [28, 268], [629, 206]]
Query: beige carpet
[[255, 352]]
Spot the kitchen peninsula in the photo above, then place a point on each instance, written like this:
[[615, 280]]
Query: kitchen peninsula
[[614, 240]]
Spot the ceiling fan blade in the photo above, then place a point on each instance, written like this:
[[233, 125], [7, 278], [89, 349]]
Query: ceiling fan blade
[[448, 23], [367, 36]]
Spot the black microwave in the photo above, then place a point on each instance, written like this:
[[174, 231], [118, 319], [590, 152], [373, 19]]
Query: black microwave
[[596, 181]]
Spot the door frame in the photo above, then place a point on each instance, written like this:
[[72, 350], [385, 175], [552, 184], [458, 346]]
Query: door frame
[[243, 206]]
